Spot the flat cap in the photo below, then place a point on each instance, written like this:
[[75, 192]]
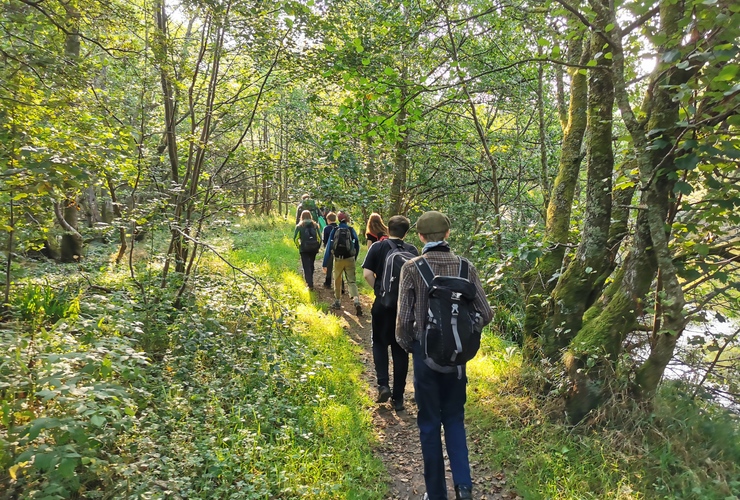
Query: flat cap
[[433, 222]]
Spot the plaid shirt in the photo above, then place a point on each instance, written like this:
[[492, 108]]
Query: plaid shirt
[[413, 301]]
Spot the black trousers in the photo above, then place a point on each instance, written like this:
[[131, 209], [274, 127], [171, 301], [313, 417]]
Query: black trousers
[[308, 260], [384, 336]]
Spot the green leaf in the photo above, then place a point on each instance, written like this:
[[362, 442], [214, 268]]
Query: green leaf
[[683, 188], [43, 461], [97, 420], [609, 27], [687, 162], [727, 73], [608, 56], [672, 56], [66, 468], [543, 42]]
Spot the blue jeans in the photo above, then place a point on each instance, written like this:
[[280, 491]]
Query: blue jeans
[[440, 398]]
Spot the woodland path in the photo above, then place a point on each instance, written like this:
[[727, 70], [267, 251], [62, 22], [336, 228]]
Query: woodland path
[[398, 437]]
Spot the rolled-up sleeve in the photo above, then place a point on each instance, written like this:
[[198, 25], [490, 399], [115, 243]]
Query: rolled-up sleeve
[[406, 302]]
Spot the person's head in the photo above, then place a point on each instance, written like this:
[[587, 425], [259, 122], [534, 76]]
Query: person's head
[[306, 215], [375, 225], [331, 217], [398, 226], [305, 196], [433, 226], [343, 217]]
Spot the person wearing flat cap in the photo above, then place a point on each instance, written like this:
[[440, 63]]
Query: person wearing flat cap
[[440, 397]]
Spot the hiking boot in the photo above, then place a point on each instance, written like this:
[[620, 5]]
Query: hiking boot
[[336, 305], [384, 394], [327, 286], [463, 492], [358, 308], [398, 404]]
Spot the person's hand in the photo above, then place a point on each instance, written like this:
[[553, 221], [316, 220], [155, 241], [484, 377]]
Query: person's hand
[[325, 268]]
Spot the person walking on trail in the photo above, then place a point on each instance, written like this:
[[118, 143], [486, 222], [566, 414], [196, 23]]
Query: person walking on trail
[[331, 219], [375, 230], [440, 390], [381, 269], [307, 203], [306, 237], [343, 247]]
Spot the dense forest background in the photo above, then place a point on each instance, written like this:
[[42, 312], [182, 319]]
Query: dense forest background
[[587, 154]]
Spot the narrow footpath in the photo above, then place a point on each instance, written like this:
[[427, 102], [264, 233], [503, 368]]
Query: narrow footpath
[[398, 437]]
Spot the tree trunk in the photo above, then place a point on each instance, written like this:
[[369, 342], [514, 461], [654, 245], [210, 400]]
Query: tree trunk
[[542, 279], [579, 285], [596, 349]]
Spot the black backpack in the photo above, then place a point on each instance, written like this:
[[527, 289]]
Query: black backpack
[[309, 239], [451, 336], [342, 243], [394, 261]]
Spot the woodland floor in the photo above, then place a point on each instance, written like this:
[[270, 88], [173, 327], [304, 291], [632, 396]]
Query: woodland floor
[[398, 437]]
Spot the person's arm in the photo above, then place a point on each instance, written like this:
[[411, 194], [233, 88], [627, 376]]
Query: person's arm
[[327, 251], [369, 277], [406, 301], [295, 235], [481, 301], [357, 243]]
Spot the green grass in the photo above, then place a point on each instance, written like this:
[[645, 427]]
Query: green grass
[[683, 449], [253, 393]]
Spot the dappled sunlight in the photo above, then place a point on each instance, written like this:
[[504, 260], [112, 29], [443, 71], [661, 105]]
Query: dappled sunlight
[[318, 325]]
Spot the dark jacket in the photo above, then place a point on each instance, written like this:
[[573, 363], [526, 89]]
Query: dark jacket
[[327, 252]]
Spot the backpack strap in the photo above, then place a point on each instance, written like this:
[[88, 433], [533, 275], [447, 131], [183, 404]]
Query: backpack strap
[[425, 270], [464, 266]]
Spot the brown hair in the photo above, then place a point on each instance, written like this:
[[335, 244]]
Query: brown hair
[[306, 215], [331, 217], [375, 225], [398, 226]]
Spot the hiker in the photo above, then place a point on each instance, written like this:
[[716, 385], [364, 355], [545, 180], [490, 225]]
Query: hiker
[[381, 269], [307, 203], [343, 247], [440, 392], [375, 230], [331, 219], [306, 238]]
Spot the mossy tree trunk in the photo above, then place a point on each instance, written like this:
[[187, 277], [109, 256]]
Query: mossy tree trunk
[[584, 277], [594, 352], [541, 280]]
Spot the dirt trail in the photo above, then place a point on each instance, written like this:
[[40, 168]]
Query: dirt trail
[[398, 437]]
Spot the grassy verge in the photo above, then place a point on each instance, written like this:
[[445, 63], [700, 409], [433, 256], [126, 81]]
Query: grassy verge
[[682, 449], [249, 391]]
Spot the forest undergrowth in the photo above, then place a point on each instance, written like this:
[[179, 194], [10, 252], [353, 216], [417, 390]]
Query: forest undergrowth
[[250, 389]]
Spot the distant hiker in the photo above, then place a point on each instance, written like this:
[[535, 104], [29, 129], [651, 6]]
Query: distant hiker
[[440, 387], [307, 203], [306, 238], [375, 229], [331, 219], [381, 270], [343, 247]]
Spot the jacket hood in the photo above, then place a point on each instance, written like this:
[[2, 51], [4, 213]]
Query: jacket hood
[[307, 222]]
